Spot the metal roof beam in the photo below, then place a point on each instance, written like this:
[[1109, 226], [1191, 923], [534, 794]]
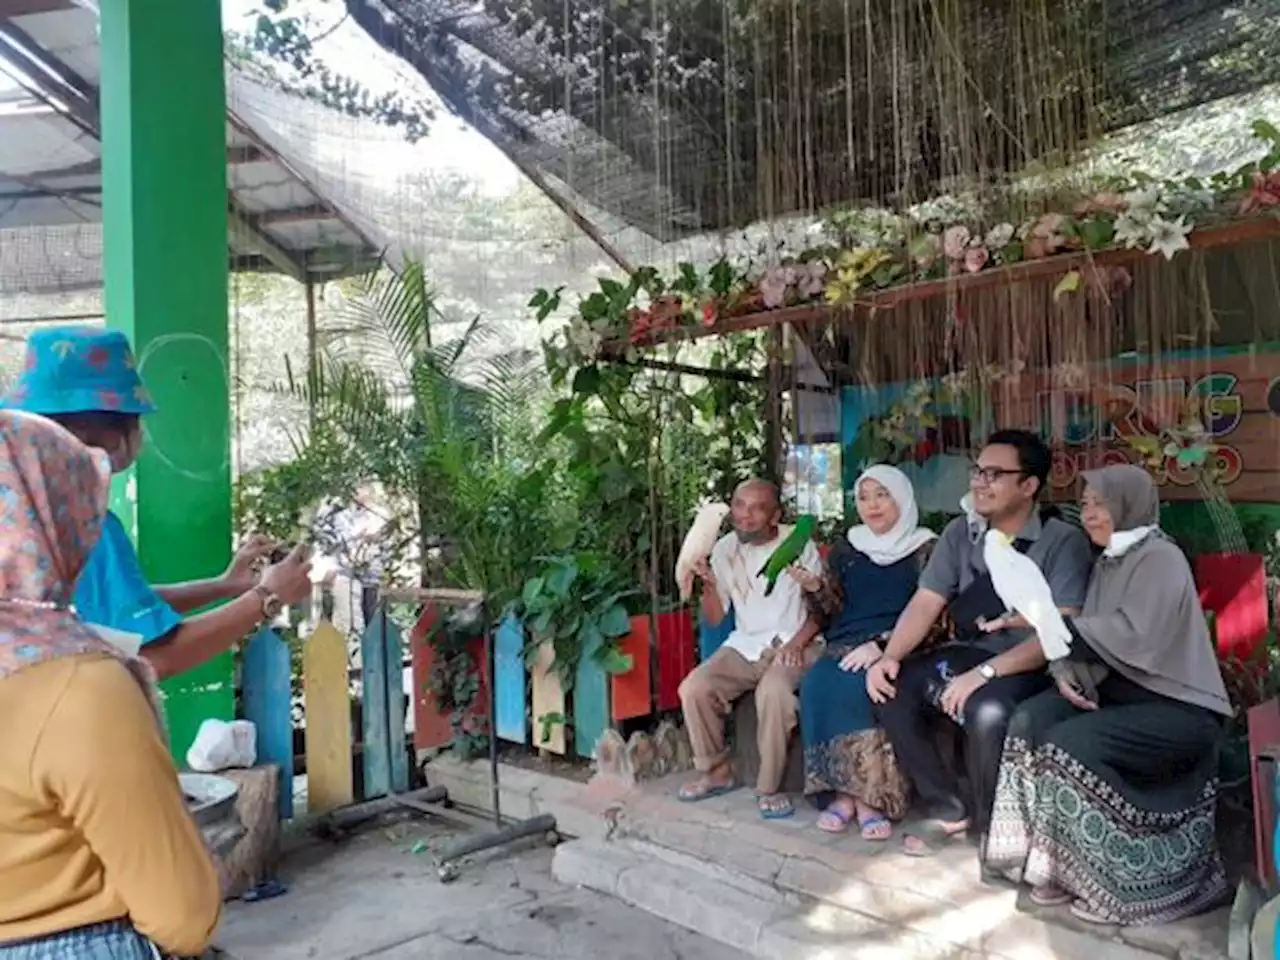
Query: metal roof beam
[[243, 230], [45, 76], [308, 214], [236, 156], [29, 8]]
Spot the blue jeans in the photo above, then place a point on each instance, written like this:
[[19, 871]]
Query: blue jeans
[[115, 940]]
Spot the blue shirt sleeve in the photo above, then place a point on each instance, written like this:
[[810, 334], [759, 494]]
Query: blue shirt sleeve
[[113, 592]]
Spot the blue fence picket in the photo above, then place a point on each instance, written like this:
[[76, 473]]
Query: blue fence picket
[[397, 703], [268, 696], [711, 638], [509, 685], [376, 736], [590, 701]]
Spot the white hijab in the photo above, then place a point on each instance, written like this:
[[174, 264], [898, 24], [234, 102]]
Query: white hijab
[[906, 536]]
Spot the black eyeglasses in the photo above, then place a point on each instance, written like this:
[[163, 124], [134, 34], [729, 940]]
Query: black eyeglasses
[[990, 475]]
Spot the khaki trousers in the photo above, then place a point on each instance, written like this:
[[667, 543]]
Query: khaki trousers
[[707, 696]]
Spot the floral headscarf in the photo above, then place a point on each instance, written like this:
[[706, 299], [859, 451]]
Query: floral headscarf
[[53, 497]]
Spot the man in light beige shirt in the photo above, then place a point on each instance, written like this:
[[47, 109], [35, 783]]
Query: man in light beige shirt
[[768, 650]]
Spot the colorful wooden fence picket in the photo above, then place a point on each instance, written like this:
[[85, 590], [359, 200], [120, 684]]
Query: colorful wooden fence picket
[[510, 700], [548, 708], [590, 701], [632, 696], [432, 722], [267, 698], [385, 760], [431, 726], [677, 655], [326, 691], [711, 638], [1233, 586]]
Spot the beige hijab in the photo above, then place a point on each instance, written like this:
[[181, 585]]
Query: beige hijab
[[1142, 614]]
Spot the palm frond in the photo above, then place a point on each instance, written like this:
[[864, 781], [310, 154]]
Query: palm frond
[[386, 323]]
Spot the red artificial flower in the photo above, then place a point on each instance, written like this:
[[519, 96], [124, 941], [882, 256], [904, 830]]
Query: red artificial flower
[[1264, 193], [709, 314]]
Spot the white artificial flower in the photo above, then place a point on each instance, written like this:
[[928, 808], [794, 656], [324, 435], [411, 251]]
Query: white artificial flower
[[999, 236], [1144, 203], [585, 340], [1132, 232], [1169, 236]]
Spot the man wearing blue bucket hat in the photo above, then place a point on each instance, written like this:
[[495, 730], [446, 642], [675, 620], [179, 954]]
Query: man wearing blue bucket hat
[[86, 379]]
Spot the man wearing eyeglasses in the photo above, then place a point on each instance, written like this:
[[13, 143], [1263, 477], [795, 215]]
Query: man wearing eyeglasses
[[992, 664]]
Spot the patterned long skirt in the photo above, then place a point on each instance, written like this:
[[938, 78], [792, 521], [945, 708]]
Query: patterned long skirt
[[844, 750], [1114, 806]]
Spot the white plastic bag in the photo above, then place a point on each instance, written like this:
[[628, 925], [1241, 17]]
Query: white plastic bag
[[221, 746]]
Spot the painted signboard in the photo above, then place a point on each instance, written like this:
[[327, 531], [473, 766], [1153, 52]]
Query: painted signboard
[[1097, 422]]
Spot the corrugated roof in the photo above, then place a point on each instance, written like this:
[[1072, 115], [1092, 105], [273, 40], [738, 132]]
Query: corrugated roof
[[50, 169]]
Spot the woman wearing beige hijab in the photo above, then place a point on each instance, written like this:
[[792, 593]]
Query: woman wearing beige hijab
[[1108, 783]]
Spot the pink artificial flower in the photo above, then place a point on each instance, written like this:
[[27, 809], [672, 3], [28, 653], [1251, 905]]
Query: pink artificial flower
[[954, 242], [709, 314], [1045, 238], [1105, 202], [1048, 226], [1265, 192], [773, 287], [975, 258], [811, 279]]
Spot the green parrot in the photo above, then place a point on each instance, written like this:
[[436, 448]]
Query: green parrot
[[788, 552]]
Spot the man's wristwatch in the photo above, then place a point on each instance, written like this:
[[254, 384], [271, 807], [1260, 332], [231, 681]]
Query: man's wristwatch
[[987, 671], [271, 604]]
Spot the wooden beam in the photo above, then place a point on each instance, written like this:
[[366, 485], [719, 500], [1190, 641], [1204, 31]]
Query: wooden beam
[[1234, 233], [30, 8]]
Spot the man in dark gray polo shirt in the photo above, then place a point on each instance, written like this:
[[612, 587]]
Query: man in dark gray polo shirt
[[980, 678]]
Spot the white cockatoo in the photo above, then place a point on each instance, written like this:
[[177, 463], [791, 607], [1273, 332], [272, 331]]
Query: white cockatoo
[[1020, 584], [698, 543]]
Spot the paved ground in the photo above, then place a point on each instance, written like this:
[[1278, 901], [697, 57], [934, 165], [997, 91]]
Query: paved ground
[[373, 896]]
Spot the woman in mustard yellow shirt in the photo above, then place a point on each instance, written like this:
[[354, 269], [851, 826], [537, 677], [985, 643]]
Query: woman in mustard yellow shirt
[[98, 855]]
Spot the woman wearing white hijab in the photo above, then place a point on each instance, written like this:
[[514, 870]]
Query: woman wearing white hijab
[[849, 766]]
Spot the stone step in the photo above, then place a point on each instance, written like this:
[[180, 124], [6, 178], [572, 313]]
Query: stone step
[[785, 889], [776, 924]]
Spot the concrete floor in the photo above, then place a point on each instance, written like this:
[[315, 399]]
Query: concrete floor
[[374, 896]]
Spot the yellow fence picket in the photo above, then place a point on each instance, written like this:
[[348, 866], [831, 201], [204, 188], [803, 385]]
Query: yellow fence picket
[[328, 716], [548, 702]]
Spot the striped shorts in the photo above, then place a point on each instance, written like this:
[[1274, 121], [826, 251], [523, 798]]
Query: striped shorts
[[114, 940]]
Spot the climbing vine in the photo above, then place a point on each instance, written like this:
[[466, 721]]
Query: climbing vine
[[280, 47]]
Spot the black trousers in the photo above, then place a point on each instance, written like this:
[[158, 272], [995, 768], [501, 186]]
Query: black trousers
[[911, 722]]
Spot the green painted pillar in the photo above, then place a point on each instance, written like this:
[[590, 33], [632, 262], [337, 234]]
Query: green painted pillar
[[164, 215]]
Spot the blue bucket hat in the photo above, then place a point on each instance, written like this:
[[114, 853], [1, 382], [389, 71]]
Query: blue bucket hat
[[79, 370]]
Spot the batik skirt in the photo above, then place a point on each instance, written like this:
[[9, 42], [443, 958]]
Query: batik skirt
[[1114, 806]]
